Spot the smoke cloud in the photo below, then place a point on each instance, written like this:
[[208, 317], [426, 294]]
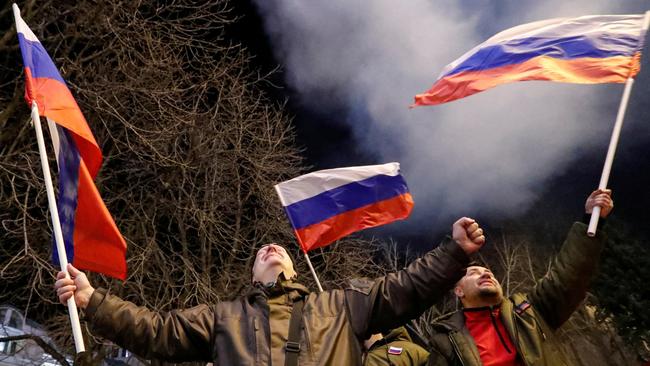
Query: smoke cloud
[[491, 152]]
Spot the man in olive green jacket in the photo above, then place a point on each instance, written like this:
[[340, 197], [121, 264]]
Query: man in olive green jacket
[[253, 329], [394, 349], [520, 330]]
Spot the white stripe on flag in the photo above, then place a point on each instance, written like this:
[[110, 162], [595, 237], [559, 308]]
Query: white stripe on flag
[[21, 27], [54, 134], [312, 184], [614, 25]]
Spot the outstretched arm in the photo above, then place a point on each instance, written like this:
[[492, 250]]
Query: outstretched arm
[[563, 288], [179, 335], [398, 297]]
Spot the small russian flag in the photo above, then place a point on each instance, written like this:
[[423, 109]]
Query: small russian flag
[[327, 205], [395, 350]]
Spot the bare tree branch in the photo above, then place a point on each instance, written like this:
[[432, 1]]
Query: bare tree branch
[[41, 343]]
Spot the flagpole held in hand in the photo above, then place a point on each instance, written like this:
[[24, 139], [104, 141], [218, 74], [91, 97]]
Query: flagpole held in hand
[[609, 159], [56, 224], [613, 143], [49, 187]]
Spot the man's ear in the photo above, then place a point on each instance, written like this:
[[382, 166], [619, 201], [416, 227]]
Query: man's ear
[[459, 292]]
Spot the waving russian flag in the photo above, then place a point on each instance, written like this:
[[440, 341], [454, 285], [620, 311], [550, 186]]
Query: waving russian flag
[[91, 237], [327, 205], [587, 49]]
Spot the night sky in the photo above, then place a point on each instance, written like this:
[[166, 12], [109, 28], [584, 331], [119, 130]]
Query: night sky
[[332, 134]]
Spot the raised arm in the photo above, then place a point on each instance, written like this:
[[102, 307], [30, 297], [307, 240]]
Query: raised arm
[[564, 287], [178, 335], [392, 300]]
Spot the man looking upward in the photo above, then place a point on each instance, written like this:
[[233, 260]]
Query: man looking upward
[[520, 330], [254, 329]]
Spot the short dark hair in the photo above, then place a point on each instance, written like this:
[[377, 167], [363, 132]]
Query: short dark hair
[[474, 263], [478, 263]]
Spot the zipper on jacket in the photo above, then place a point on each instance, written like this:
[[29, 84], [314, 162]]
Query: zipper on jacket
[[513, 315], [496, 327], [456, 348]]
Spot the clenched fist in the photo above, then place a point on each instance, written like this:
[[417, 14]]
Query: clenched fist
[[468, 235]]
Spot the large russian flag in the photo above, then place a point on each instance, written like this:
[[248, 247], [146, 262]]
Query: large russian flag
[[587, 49], [91, 237], [327, 205]]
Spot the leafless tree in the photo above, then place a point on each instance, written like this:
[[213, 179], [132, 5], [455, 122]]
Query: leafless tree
[[192, 150]]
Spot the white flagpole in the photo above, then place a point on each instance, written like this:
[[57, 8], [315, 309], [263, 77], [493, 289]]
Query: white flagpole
[[613, 143], [56, 224], [313, 273]]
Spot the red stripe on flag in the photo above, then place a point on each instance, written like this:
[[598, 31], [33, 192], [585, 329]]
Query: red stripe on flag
[[57, 103], [583, 70], [98, 244], [336, 227], [29, 87]]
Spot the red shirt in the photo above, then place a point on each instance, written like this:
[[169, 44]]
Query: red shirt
[[491, 338]]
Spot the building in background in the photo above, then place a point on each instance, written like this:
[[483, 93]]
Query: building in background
[[26, 352]]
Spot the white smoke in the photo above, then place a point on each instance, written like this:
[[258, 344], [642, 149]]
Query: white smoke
[[490, 152]]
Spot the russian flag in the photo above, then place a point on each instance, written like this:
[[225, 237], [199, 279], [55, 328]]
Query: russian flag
[[91, 237], [327, 205], [587, 49]]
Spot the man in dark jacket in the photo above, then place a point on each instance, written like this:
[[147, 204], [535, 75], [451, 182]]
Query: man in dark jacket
[[520, 330], [253, 329]]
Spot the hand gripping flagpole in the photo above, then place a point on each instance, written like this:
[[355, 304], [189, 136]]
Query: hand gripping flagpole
[[56, 224], [618, 125], [604, 177]]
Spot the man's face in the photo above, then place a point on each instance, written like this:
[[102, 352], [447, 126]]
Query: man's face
[[478, 284], [270, 261]]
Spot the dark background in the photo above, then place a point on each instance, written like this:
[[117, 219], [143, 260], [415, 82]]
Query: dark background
[[329, 143]]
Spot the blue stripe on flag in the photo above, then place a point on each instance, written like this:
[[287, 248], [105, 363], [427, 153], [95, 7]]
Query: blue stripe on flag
[[517, 51], [37, 60], [345, 198], [68, 190]]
